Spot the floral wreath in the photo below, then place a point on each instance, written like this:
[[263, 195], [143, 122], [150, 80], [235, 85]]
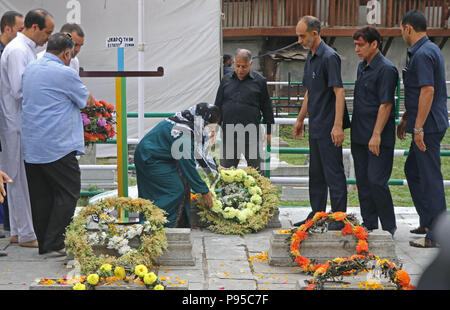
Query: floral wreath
[[244, 204], [339, 266], [150, 233]]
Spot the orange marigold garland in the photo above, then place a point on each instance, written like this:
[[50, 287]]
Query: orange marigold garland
[[342, 266]]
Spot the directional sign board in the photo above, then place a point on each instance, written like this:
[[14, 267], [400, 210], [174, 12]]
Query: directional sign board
[[119, 41]]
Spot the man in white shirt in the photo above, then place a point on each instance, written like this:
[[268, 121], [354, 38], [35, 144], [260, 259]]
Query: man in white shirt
[[78, 37], [10, 24], [39, 25]]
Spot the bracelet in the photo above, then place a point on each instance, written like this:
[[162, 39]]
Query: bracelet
[[417, 131]]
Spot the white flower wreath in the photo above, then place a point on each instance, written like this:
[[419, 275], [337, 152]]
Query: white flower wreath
[[244, 202]]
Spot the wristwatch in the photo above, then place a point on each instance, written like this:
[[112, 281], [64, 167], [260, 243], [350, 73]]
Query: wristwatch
[[417, 131]]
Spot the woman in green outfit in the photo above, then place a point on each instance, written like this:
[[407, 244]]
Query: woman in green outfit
[[168, 157]]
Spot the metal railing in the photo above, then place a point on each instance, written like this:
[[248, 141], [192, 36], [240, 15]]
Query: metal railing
[[296, 98]]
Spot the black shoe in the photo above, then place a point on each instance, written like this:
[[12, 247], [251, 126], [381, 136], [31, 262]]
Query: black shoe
[[3, 253], [298, 224], [419, 231], [336, 226], [369, 230]]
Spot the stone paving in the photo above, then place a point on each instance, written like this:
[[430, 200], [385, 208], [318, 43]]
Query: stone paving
[[221, 262]]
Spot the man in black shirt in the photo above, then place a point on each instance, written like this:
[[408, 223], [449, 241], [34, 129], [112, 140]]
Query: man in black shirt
[[373, 130], [325, 104], [243, 98]]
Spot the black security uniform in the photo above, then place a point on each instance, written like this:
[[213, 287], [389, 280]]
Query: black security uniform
[[426, 67], [375, 85], [326, 171]]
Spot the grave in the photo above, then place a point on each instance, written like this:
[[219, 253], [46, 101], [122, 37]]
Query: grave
[[327, 246]]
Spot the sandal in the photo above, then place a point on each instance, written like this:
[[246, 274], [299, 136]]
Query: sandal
[[419, 231], [424, 243]]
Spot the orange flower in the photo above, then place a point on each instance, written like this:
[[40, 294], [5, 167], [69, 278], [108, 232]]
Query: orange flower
[[319, 215], [347, 230], [402, 278], [311, 287], [326, 266], [339, 216], [362, 246], [302, 261], [360, 233], [356, 256], [193, 197], [300, 235], [295, 246], [308, 224]]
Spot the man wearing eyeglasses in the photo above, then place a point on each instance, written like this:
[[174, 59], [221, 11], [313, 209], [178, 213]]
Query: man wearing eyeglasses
[[52, 137], [77, 34], [426, 118], [39, 25]]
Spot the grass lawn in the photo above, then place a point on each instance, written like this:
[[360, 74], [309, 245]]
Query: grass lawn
[[400, 194]]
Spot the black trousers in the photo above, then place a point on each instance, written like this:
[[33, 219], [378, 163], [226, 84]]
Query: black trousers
[[54, 190], [326, 171], [425, 181], [372, 176], [241, 145]]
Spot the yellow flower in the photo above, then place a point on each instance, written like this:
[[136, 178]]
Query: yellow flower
[[339, 260], [150, 278], [79, 287], [120, 272], [159, 287], [140, 270], [92, 279], [319, 271], [106, 267]]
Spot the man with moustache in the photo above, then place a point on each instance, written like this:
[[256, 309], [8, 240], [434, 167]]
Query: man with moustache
[[39, 25], [243, 99], [373, 130]]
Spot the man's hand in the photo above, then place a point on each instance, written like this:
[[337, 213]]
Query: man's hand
[[90, 102], [268, 139], [374, 144], [418, 140], [337, 136], [208, 199], [299, 129], [401, 129], [3, 178]]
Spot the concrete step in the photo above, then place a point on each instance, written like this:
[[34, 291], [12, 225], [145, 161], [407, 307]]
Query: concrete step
[[100, 178]]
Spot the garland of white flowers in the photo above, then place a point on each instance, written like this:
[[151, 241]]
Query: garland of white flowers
[[244, 203], [151, 234], [232, 182]]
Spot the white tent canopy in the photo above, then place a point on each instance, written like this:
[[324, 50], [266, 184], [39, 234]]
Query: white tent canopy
[[182, 36]]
